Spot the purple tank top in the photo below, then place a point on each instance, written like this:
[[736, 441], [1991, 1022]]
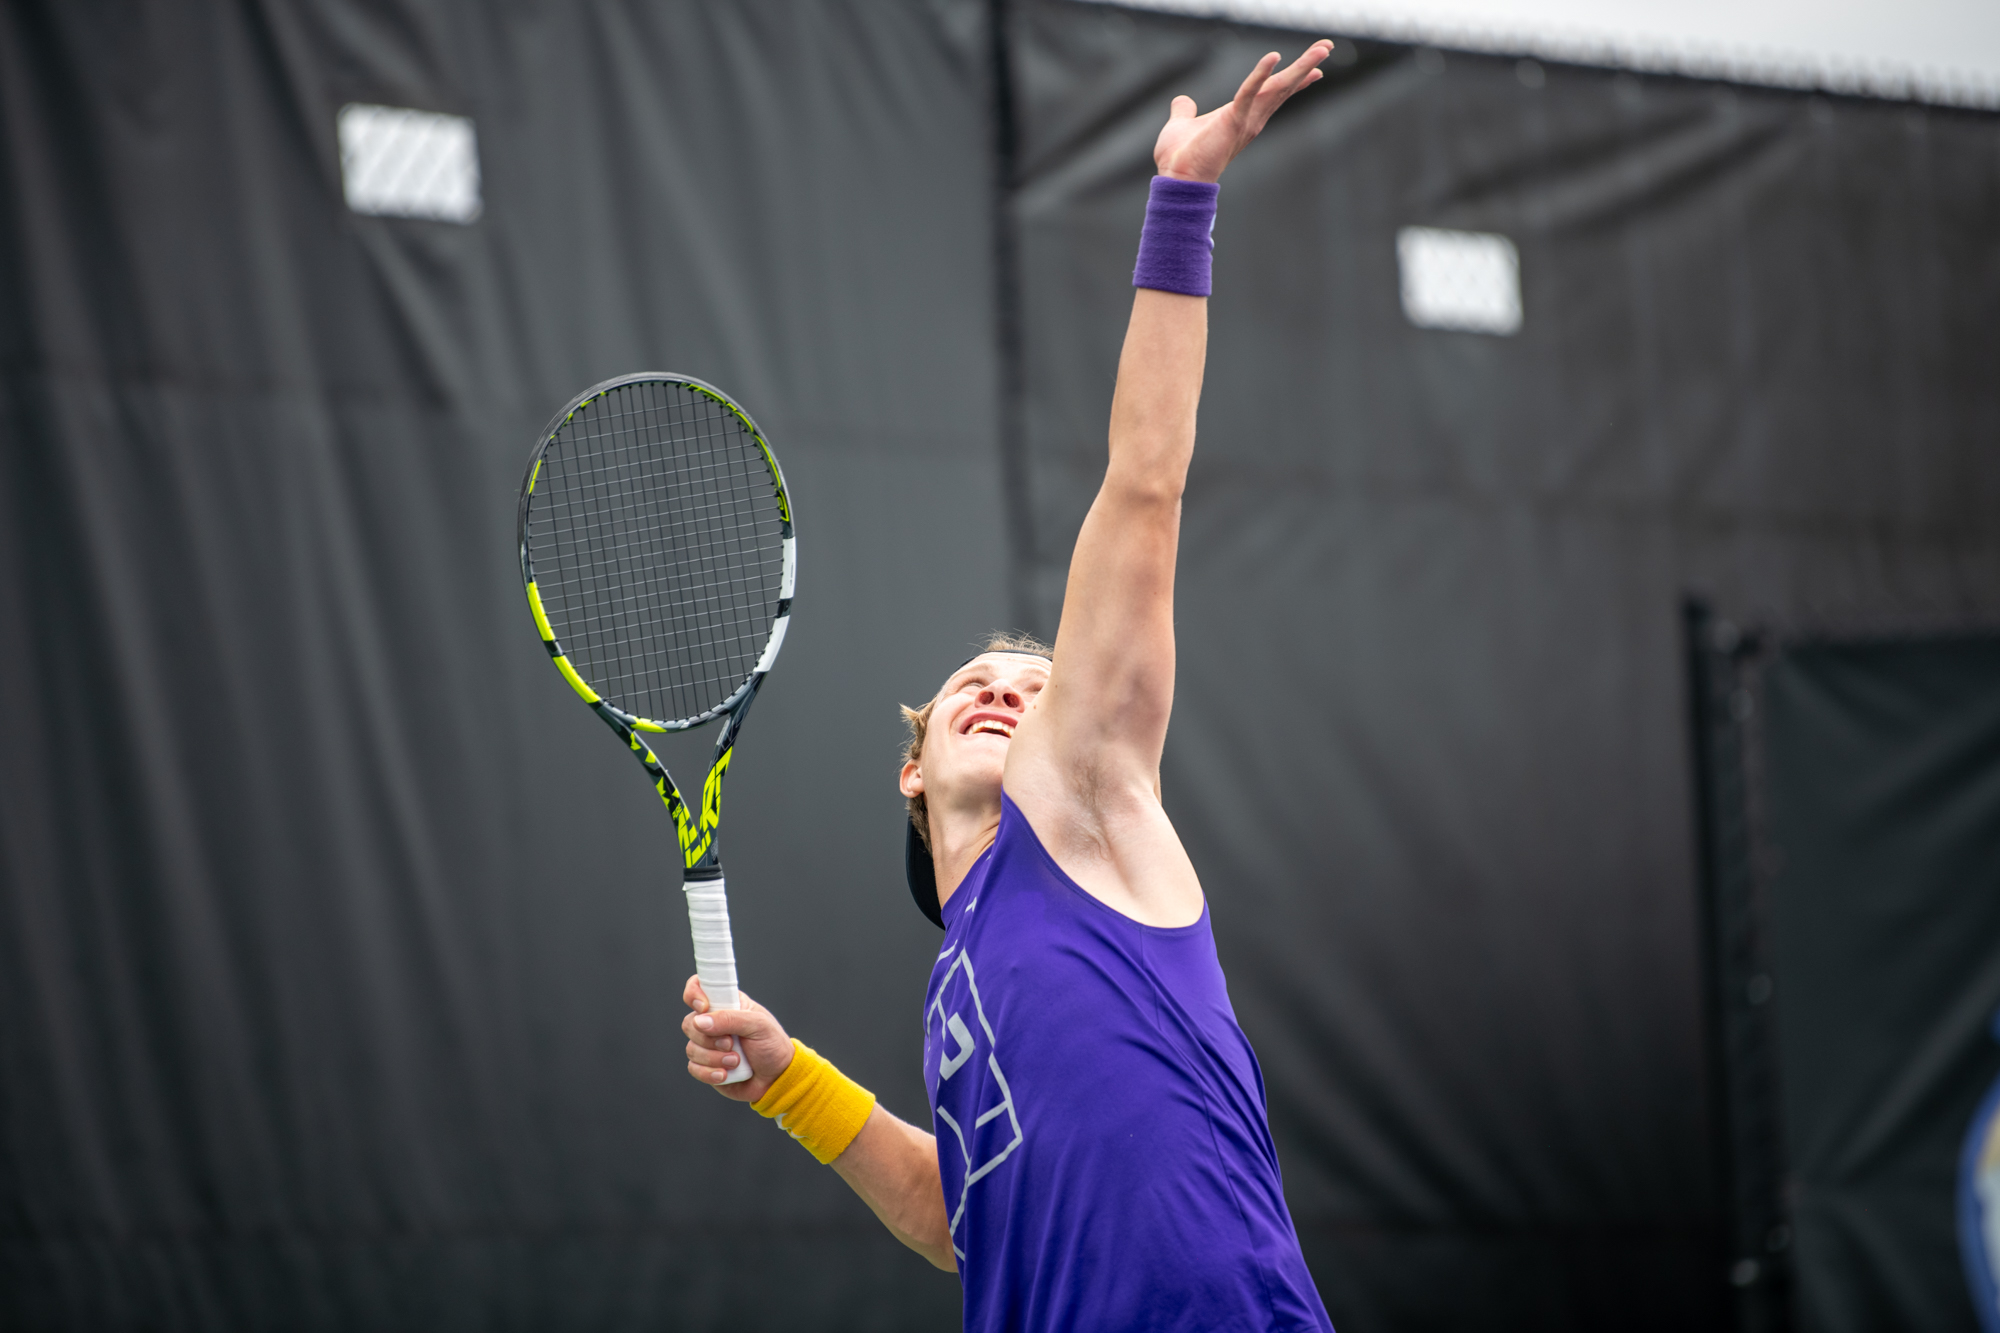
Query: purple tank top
[[1101, 1126]]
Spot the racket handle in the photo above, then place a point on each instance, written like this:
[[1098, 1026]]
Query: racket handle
[[715, 955]]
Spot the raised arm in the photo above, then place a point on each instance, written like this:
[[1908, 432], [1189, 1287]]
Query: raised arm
[[1085, 765]]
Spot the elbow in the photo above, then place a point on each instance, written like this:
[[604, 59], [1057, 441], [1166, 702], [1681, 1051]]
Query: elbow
[[1142, 492], [935, 1244], [1145, 485], [930, 1234]]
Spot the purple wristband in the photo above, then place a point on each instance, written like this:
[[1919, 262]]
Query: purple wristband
[[1175, 247]]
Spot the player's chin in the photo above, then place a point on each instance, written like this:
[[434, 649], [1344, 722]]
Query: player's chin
[[978, 754]]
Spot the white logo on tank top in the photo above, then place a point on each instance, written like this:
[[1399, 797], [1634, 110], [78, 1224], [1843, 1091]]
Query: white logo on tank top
[[994, 1131]]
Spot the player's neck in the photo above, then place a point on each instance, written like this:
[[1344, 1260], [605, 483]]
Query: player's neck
[[958, 838]]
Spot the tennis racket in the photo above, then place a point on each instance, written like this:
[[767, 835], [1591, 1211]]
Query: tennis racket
[[656, 545]]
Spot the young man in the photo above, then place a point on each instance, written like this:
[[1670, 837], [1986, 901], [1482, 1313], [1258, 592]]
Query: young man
[[1102, 1161]]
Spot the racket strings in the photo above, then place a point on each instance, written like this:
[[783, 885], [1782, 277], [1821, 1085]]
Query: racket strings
[[691, 616], [658, 548], [628, 612]]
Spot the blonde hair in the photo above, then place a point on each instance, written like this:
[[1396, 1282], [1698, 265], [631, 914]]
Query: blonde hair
[[919, 720]]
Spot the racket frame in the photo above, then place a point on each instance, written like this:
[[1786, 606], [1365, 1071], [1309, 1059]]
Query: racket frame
[[696, 826]]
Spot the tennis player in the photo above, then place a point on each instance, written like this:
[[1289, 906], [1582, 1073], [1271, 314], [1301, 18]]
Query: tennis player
[[1102, 1161]]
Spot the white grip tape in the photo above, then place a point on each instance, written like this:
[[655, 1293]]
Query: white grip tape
[[715, 955]]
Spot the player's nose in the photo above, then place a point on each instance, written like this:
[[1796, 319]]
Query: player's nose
[[1002, 693]]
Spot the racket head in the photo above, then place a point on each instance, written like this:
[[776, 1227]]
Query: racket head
[[657, 549]]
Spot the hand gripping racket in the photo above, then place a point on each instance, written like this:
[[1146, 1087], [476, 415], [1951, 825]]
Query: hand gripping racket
[[656, 544]]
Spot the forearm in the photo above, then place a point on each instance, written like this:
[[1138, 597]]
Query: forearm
[[893, 1166], [1116, 636], [1121, 580], [1159, 390]]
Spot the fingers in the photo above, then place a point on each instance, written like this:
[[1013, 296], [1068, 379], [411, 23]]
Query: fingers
[[703, 1060], [724, 1023], [719, 1031], [715, 1025], [1183, 108], [1247, 94], [695, 998], [703, 1037], [720, 1040], [1273, 89], [1265, 89], [1302, 71], [709, 1064]]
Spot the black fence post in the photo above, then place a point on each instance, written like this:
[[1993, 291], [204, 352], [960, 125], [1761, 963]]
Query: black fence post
[[1742, 1043], [1010, 347]]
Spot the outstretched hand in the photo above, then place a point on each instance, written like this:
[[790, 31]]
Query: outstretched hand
[[718, 1039], [1198, 148]]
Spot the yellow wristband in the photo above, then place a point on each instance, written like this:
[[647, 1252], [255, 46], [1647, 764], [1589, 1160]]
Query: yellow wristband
[[816, 1104]]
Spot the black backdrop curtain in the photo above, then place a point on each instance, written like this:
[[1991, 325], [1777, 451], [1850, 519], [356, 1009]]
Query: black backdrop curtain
[[341, 948], [339, 951], [1851, 796], [1882, 768]]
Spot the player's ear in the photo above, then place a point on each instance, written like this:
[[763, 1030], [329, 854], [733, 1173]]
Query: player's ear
[[912, 783]]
